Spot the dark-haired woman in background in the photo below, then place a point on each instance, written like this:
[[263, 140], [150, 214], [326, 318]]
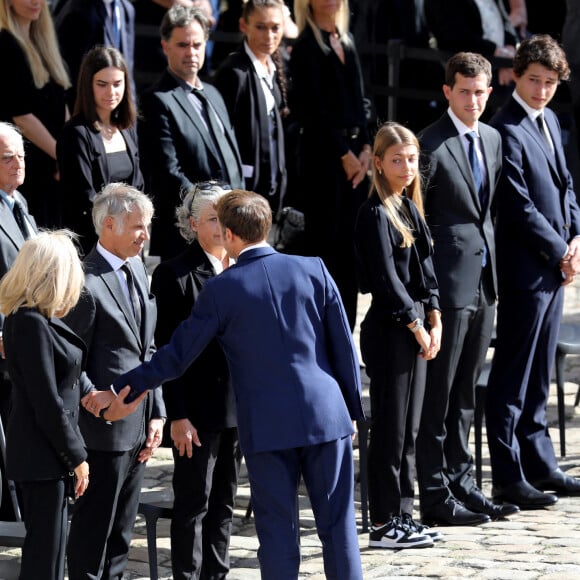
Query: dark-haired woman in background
[[99, 144], [252, 83]]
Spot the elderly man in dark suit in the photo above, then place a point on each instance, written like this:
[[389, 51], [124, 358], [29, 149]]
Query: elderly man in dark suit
[[13, 232], [538, 252], [116, 318], [200, 405], [185, 135], [458, 200], [295, 375]]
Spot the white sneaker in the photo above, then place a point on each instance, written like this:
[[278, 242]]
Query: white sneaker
[[420, 528], [395, 535]]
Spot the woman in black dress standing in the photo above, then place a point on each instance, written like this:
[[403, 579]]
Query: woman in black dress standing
[[334, 150], [35, 99], [99, 144]]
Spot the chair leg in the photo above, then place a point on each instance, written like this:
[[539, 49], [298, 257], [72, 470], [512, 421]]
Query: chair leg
[[478, 432], [151, 525], [560, 358]]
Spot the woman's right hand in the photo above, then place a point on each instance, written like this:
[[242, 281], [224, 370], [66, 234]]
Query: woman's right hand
[[82, 475], [352, 167]]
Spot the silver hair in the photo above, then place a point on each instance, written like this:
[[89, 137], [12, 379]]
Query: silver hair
[[198, 198], [117, 200], [8, 129]]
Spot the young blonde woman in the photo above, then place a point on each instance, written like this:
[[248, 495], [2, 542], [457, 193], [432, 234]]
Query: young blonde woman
[[34, 99], [401, 331]]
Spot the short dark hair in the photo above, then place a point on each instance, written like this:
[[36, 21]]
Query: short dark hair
[[467, 64], [541, 49], [97, 59], [179, 16], [246, 214]]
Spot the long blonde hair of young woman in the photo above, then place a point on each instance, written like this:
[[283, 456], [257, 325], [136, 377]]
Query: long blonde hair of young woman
[[47, 274], [305, 17], [41, 46], [388, 135]]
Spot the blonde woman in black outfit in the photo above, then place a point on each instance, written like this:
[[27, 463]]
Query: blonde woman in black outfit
[[401, 331], [334, 151]]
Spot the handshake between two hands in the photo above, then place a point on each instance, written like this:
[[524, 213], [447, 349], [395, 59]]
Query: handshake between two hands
[[111, 407]]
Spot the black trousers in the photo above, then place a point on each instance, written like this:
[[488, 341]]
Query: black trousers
[[397, 386], [103, 518], [444, 459], [44, 511], [204, 487]]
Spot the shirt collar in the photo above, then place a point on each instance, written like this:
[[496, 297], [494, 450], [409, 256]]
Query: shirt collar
[[461, 127], [9, 199], [114, 261], [531, 112], [187, 87], [263, 244]]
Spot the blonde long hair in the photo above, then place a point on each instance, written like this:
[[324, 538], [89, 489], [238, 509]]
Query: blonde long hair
[[305, 17], [40, 46], [47, 274], [388, 135]]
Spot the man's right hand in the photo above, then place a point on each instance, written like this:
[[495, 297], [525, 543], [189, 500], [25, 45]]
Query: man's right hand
[[183, 434]]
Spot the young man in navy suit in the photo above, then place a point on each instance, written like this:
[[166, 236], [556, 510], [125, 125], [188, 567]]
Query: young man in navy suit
[[458, 211], [538, 252], [295, 374]]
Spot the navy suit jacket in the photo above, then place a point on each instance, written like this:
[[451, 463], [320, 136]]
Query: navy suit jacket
[[103, 319], [292, 360], [177, 151], [460, 226], [537, 213]]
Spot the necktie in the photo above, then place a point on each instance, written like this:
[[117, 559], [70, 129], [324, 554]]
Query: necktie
[[116, 21], [222, 146], [475, 166], [133, 294], [19, 218], [544, 131]]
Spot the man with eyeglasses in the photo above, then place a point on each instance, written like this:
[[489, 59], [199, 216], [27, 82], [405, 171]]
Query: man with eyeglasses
[[185, 134], [200, 405], [16, 225]]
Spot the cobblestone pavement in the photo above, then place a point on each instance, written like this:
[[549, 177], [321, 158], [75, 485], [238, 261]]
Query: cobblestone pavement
[[533, 545]]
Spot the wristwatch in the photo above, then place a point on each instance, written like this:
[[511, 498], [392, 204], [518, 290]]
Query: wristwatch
[[418, 324]]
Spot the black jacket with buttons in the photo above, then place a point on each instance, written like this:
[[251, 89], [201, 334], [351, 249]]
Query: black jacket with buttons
[[45, 361]]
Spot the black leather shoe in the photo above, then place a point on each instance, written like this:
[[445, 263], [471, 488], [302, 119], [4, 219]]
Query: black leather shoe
[[452, 513], [477, 502], [524, 495], [559, 482]]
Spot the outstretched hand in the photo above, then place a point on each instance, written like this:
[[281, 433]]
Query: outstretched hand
[[119, 409]]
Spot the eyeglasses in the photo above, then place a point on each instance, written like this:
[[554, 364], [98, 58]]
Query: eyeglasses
[[207, 186]]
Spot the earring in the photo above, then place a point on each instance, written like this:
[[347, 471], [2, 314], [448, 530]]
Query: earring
[[380, 171]]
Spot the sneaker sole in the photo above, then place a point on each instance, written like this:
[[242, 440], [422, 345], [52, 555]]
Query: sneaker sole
[[400, 545]]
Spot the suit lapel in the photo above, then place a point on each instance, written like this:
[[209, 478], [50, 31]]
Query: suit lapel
[[8, 224]]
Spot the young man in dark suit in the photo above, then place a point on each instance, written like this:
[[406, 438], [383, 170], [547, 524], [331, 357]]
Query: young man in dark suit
[[185, 134], [116, 318], [458, 200], [295, 373], [538, 252]]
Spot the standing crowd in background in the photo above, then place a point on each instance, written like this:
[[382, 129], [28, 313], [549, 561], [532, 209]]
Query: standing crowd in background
[[202, 133]]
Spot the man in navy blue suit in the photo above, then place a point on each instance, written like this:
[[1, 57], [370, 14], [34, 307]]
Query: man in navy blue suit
[[295, 374], [538, 252]]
